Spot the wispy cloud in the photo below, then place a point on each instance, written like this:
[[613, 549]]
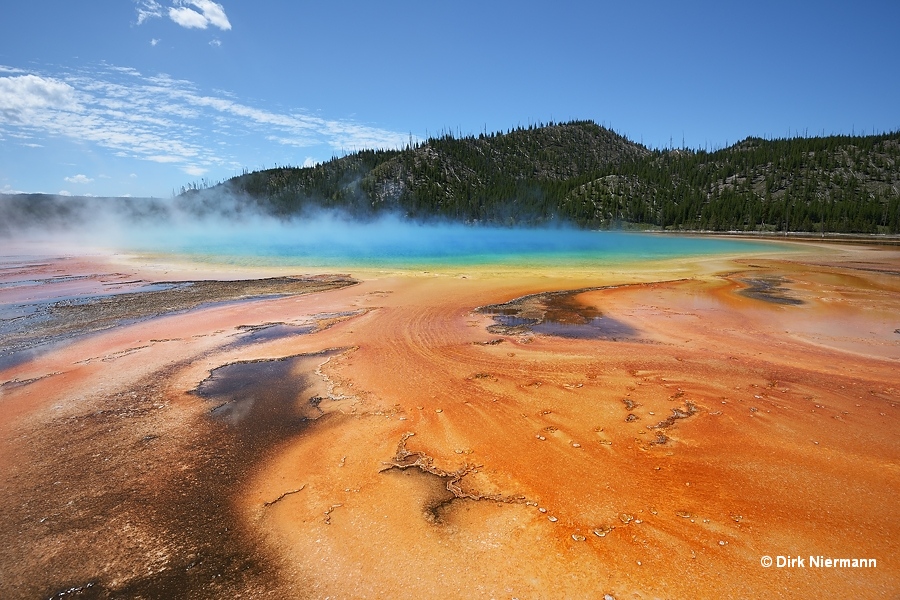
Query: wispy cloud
[[190, 14], [148, 9], [195, 170], [162, 119], [79, 179]]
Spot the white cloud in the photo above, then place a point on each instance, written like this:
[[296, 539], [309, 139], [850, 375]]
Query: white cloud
[[310, 162], [213, 12], [125, 70], [148, 9], [194, 170], [22, 95], [161, 119], [133, 175], [215, 43], [188, 18], [79, 179], [296, 142], [203, 14], [64, 193], [154, 41]]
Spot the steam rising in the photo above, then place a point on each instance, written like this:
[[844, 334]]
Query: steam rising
[[234, 229]]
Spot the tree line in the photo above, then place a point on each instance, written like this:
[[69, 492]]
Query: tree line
[[582, 173]]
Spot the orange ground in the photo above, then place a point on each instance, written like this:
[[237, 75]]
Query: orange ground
[[792, 447]]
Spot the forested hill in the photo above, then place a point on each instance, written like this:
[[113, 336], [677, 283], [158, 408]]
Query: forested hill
[[582, 173]]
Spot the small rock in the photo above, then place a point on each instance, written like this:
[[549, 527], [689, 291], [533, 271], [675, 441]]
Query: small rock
[[542, 509], [577, 537], [576, 445], [439, 410], [553, 519], [603, 531]]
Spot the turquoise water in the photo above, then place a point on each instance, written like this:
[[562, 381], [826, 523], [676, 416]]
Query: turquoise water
[[393, 243]]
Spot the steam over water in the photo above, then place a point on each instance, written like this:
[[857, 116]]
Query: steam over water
[[392, 242], [241, 236]]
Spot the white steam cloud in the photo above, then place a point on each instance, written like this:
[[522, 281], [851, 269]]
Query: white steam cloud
[[231, 228]]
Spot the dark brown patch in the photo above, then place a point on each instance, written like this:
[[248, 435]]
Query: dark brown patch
[[558, 314], [117, 502], [769, 289]]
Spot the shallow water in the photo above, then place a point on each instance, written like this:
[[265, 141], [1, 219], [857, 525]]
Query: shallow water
[[269, 332]]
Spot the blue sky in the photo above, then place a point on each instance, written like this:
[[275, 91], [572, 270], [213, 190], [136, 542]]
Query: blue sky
[[125, 97]]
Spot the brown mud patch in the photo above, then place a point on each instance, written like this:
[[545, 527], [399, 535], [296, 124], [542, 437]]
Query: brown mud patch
[[769, 289], [119, 502], [262, 401], [557, 313]]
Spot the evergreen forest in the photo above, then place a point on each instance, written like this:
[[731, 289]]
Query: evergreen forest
[[584, 174]]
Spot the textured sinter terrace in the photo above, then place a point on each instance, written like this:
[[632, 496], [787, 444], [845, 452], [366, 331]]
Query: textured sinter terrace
[[646, 431]]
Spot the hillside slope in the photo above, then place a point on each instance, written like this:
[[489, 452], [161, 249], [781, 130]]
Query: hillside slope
[[583, 173]]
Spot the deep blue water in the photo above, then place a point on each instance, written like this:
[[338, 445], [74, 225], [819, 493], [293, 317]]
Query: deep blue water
[[394, 243]]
